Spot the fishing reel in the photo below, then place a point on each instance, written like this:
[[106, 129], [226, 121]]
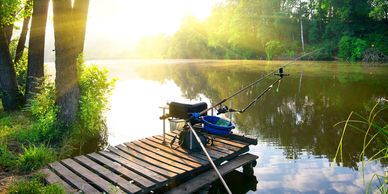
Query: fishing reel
[[281, 73], [225, 109]]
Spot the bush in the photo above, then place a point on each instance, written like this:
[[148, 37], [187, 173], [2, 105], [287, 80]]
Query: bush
[[35, 157], [351, 48], [35, 186], [273, 48], [95, 89], [44, 112]]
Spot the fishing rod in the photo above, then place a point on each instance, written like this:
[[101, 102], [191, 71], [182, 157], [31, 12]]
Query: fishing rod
[[278, 72], [208, 157]]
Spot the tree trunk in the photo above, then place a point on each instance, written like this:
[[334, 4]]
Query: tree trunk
[[80, 11], [301, 33], [66, 80], [8, 33], [8, 82], [35, 69], [22, 40]]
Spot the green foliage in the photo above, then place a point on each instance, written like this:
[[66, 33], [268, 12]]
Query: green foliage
[[273, 48], [374, 128], [7, 158], [20, 66], [44, 112], [351, 48], [35, 186], [35, 157], [379, 9], [8, 11]]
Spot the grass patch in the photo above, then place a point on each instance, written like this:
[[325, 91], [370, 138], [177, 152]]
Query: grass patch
[[35, 157], [34, 185]]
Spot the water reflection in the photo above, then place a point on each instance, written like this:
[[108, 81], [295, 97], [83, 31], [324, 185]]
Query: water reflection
[[294, 124], [297, 117]]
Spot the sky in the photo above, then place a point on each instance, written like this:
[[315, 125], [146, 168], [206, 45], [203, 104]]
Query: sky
[[119, 24]]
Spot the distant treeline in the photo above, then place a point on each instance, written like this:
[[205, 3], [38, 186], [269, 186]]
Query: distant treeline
[[263, 29]]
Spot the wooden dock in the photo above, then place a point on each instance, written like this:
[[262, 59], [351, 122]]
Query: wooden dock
[[147, 165]]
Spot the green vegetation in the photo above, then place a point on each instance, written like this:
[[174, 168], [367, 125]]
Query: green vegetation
[[272, 48], [34, 185], [32, 138], [374, 128], [242, 29], [35, 157]]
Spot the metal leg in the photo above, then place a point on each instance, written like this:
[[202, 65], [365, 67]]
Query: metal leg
[[164, 127]]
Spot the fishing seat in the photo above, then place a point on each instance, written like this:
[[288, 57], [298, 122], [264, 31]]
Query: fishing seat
[[183, 111]]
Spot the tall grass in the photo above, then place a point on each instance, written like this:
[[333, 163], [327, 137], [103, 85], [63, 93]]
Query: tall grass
[[375, 129]]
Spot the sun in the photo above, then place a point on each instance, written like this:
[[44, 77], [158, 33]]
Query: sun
[[129, 20]]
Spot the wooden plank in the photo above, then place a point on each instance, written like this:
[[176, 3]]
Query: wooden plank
[[95, 179], [210, 176], [174, 152], [144, 168], [127, 186], [210, 149], [159, 139], [122, 170], [166, 154], [52, 178], [227, 146], [243, 138], [145, 158], [133, 147], [73, 178]]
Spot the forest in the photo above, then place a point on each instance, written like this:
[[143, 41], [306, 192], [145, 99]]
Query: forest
[[262, 29]]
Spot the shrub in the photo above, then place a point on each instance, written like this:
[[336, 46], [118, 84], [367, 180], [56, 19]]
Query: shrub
[[95, 89], [351, 48], [44, 112], [273, 48], [35, 157]]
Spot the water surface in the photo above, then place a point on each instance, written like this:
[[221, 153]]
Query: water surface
[[294, 122]]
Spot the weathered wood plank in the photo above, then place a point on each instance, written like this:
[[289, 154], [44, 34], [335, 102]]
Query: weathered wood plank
[[157, 157], [159, 139], [174, 152], [52, 178], [146, 158], [208, 177], [166, 154], [95, 179], [73, 178], [122, 170], [152, 172], [109, 175], [224, 145]]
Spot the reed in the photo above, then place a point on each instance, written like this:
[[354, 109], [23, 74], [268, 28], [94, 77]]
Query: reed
[[375, 130]]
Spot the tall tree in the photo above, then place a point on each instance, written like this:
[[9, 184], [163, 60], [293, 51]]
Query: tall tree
[[69, 32], [23, 35], [35, 69], [8, 82]]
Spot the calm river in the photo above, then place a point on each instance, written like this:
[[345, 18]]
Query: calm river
[[294, 122]]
